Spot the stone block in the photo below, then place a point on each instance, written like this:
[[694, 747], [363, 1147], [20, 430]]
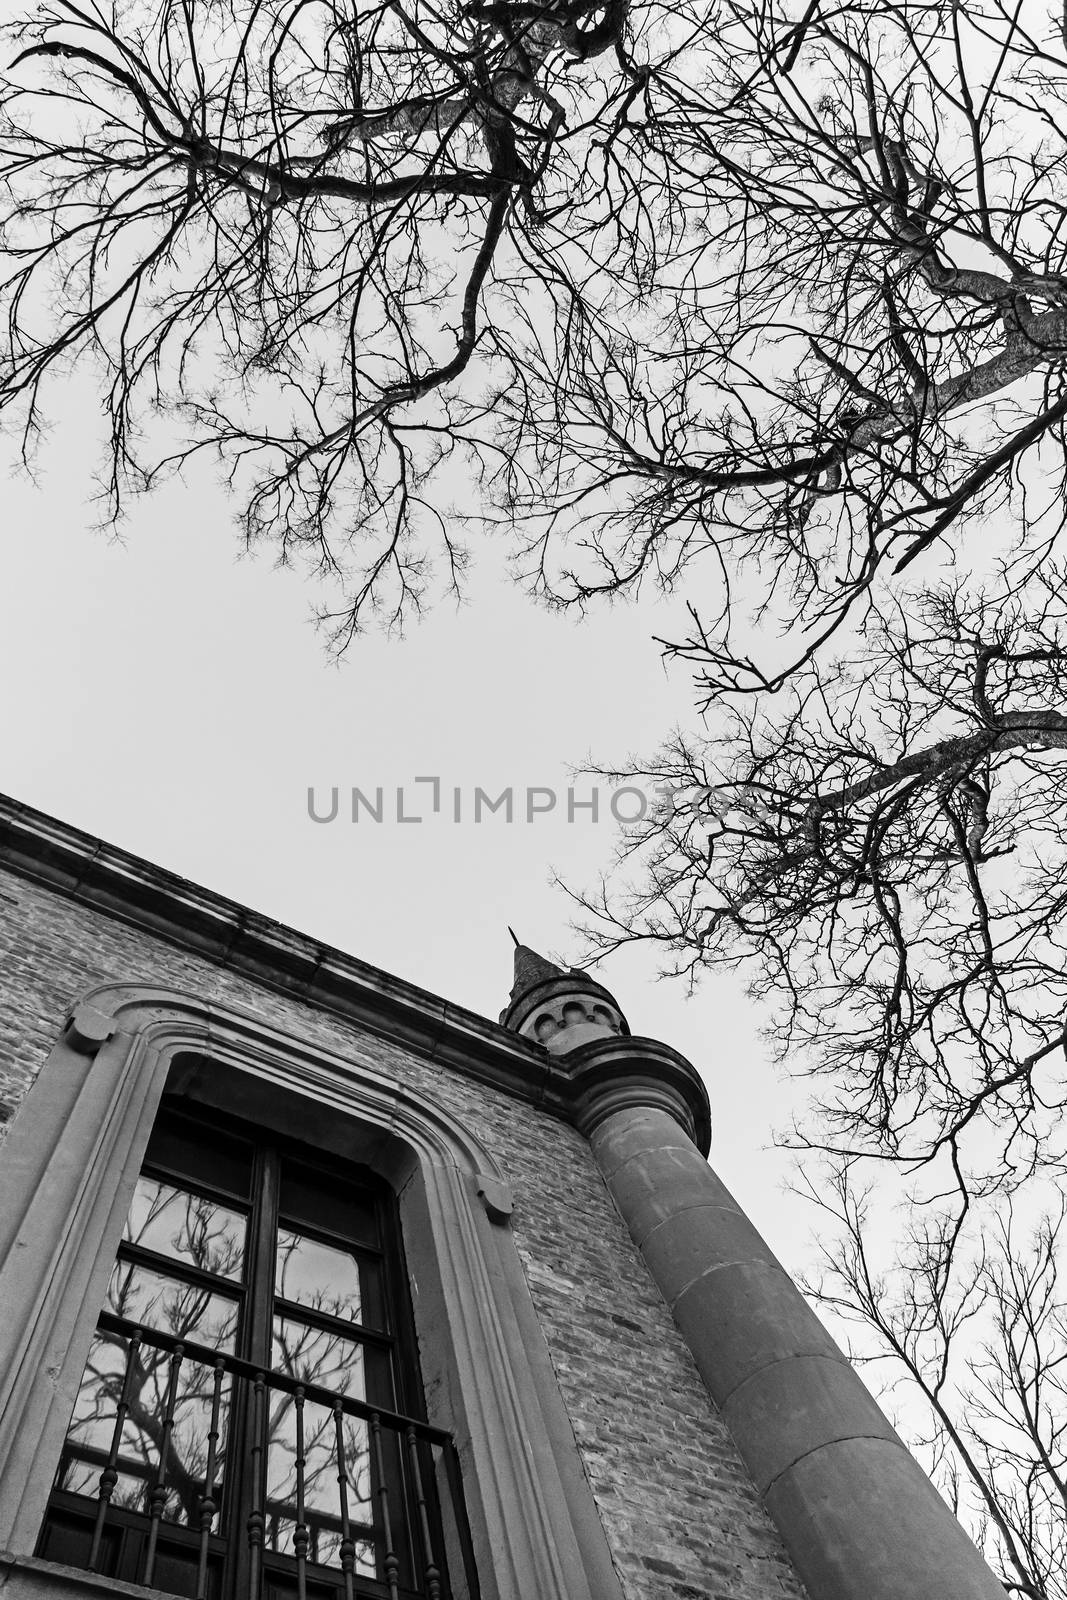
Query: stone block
[[803, 1403], [744, 1316], [921, 1554], [694, 1242]]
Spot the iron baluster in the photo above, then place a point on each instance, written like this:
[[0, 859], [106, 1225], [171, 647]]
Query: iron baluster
[[158, 1497], [110, 1477], [432, 1571], [390, 1562], [256, 1518], [348, 1548], [300, 1537], [208, 1506]]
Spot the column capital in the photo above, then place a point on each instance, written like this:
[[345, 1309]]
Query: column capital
[[617, 1074]]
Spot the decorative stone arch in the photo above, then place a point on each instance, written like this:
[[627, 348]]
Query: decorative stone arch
[[67, 1173]]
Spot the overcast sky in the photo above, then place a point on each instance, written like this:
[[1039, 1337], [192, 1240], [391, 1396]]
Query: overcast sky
[[175, 700]]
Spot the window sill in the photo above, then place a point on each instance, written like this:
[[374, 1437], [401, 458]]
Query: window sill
[[49, 1577]]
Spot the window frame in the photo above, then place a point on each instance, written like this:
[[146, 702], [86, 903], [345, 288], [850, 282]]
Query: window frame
[[67, 1172], [265, 1210]]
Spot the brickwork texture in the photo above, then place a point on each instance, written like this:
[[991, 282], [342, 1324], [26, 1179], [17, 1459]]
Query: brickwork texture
[[682, 1519]]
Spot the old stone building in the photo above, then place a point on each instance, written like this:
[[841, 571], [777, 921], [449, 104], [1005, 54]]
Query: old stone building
[[313, 1285]]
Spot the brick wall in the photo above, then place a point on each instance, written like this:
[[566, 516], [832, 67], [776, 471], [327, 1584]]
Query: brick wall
[[681, 1517]]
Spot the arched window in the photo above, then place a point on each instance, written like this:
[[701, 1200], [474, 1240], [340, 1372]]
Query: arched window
[[250, 1417], [73, 1196]]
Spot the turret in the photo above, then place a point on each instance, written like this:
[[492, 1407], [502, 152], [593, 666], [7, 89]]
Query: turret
[[559, 1008]]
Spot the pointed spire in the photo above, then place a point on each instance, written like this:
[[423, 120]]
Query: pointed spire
[[531, 969], [558, 1008]]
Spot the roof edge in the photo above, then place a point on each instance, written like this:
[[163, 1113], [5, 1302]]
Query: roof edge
[[130, 889]]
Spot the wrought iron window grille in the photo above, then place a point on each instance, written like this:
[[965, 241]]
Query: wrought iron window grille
[[193, 1469]]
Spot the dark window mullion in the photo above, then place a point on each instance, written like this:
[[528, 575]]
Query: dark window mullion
[[263, 1245], [255, 1346], [357, 1332], [410, 1398]]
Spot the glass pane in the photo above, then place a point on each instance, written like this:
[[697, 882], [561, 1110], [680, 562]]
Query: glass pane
[[194, 1150], [184, 1310], [322, 1508], [93, 1425], [311, 1355], [318, 1275], [282, 1585], [187, 1227], [332, 1205]]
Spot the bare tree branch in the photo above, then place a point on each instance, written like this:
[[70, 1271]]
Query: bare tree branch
[[786, 295], [884, 845], [968, 1333]]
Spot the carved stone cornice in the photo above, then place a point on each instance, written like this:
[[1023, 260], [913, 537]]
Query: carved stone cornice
[[92, 873], [575, 1083]]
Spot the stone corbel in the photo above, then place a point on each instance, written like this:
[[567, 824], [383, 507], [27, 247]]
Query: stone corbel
[[88, 1028], [496, 1196]]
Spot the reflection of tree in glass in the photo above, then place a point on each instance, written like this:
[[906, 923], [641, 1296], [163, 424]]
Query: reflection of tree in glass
[[318, 1275], [144, 1428], [185, 1234], [172, 1222], [196, 1232], [329, 1360]]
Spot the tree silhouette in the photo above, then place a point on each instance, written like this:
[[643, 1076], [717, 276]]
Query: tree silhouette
[[975, 1324], [883, 845], [658, 282]]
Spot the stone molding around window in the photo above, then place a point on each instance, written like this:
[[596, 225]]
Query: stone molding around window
[[67, 1172]]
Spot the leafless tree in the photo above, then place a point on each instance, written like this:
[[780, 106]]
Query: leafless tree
[[782, 288], [860, 352], [883, 844], [778, 288], [967, 1330]]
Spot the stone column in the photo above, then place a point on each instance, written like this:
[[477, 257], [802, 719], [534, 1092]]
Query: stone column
[[857, 1514]]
